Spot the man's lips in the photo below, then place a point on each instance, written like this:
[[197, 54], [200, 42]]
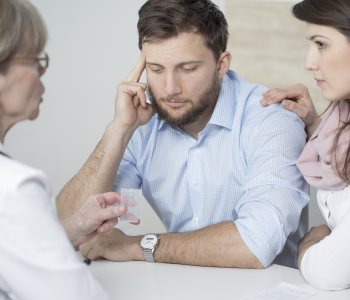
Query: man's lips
[[175, 104]]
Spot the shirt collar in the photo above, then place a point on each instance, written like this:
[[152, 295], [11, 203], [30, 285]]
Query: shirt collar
[[225, 106], [161, 123]]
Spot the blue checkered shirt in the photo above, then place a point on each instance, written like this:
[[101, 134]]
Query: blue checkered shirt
[[242, 168]]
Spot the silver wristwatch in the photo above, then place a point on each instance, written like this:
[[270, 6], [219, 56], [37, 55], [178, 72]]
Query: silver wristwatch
[[148, 244]]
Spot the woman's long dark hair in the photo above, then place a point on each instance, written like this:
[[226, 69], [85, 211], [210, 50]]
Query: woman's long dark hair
[[336, 14]]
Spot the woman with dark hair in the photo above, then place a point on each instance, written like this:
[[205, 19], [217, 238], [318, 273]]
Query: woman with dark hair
[[324, 252], [37, 259]]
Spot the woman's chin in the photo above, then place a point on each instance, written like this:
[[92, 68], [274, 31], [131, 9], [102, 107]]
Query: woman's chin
[[34, 115]]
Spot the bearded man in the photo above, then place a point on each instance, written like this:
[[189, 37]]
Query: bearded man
[[218, 168]]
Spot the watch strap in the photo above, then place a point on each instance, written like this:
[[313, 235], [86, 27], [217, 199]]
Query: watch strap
[[148, 254]]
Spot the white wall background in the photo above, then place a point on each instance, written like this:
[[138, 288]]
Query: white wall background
[[92, 46]]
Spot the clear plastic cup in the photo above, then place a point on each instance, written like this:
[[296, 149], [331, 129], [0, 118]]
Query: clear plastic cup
[[130, 198]]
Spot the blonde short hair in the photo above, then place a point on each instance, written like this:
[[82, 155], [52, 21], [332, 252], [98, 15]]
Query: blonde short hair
[[22, 30]]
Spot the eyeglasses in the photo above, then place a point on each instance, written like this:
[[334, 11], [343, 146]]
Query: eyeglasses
[[42, 60]]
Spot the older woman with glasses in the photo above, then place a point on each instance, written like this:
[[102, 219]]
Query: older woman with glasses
[[37, 259]]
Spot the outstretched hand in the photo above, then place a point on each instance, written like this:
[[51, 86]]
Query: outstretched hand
[[98, 214]]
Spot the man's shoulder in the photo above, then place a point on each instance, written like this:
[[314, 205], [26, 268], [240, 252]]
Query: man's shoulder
[[248, 94], [249, 109], [245, 88]]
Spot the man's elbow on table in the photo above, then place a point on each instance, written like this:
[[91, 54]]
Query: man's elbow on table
[[242, 256], [254, 263]]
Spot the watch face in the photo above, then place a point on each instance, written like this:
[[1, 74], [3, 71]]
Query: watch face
[[149, 241]]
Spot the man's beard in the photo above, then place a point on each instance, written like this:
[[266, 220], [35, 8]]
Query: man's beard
[[207, 102]]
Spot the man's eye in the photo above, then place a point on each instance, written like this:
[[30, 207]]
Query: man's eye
[[189, 70], [156, 70]]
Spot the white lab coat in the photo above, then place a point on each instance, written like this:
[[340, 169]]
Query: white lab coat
[[37, 261]]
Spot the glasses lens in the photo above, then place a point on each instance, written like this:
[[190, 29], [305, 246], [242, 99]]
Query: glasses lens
[[43, 61]]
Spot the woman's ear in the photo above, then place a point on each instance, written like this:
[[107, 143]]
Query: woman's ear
[[224, 63]]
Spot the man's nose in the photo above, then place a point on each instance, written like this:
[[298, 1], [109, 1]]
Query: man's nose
[[172, 84]]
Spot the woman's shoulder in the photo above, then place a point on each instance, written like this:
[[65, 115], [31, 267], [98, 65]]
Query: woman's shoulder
[[13, 172]]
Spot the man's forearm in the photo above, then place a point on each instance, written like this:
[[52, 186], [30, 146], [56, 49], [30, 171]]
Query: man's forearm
[[98, 172], [218, 245]]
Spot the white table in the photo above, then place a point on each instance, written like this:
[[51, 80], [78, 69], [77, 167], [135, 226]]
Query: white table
[[142, 280]]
